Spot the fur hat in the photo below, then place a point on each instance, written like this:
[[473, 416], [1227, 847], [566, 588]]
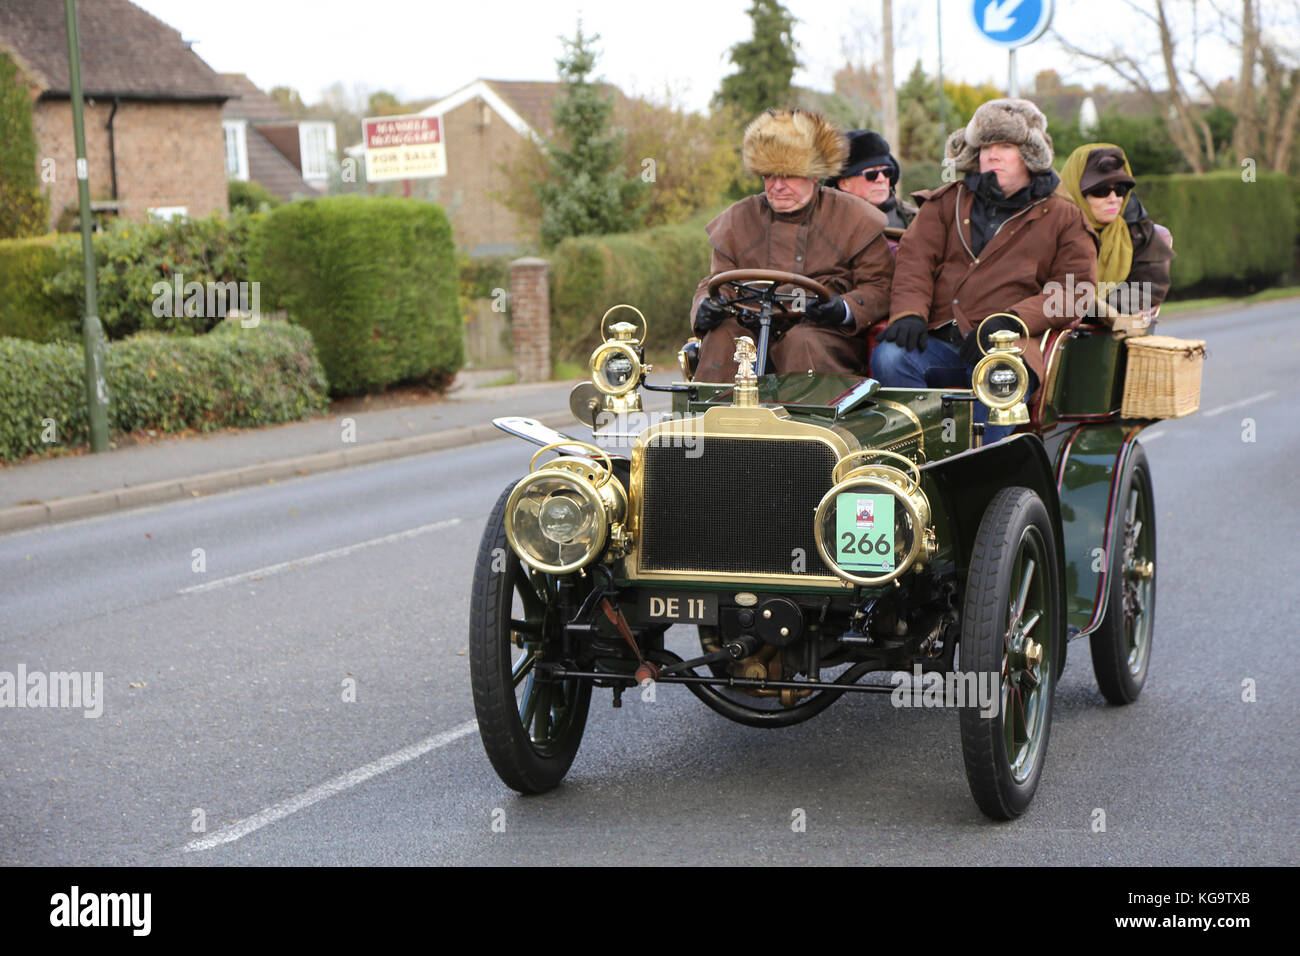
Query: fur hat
[[1003, 121], [1104, 167], [867, 150], [794, 143]]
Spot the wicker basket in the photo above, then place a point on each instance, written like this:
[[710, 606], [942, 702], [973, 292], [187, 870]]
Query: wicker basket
[[1163, 379]]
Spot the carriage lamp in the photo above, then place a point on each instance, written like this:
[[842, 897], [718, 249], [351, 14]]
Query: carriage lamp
[[1001, 380], [617, 364], [559, 516], [874, 523]]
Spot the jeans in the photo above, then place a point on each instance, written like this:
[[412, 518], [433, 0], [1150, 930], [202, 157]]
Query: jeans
[[895, 367]]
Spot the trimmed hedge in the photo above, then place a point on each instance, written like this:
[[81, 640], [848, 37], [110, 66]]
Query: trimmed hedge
[[656, 270], [232, 377], [24, 208], [374, 278], [132, 257], [1227, 232], [27, 311]]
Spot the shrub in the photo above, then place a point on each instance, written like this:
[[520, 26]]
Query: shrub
[[250, 196], [233, 377], [24, 209], [131, 258], [373, 278], [917, 176], [26, 311], [1228, 234], [656, 270]]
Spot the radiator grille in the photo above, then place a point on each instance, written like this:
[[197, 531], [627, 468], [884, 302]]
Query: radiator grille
[[741, 507]]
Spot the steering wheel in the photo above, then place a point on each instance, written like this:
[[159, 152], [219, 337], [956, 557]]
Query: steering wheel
[[752, 289]]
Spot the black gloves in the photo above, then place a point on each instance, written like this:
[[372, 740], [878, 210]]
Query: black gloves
[[709, 315], [970, 346], [908, 333], [830, 313]]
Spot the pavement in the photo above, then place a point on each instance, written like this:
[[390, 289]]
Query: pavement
[[81, 485], [57, 489]]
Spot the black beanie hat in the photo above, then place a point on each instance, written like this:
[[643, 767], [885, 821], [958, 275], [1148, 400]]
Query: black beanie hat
[[866, 150]]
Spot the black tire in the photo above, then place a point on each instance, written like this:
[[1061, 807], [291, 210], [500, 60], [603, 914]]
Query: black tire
[[1121, 644], [532, 758], [1004, 752]]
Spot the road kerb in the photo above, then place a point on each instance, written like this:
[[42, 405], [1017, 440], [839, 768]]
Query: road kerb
[[18, 517]]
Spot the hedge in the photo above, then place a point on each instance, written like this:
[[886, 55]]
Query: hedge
[[374, 278], [24, 208], [232, 377], [26, 310], [1227, 232], [656, 270], [132, 257]]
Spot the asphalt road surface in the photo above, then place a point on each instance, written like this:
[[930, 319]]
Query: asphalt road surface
[[297, 691]]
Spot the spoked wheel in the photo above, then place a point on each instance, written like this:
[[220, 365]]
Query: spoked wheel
[[1121, 645], [530, 727], [1011, 628]]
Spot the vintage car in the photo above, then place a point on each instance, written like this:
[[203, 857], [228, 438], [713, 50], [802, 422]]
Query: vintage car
[[816, 529]]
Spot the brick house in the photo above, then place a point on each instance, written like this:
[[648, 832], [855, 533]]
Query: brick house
[[291, 158], [482, 124], [154, 140]]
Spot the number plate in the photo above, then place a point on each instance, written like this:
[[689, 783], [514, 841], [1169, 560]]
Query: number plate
[[685, 607]]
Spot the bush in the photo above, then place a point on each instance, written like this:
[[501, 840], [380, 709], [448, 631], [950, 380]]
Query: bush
[[656, 270], [233, 377], [1229, 235], [26, 311], [373, 278], [131, 258], [917, 176], [250, 196], [24, 209]]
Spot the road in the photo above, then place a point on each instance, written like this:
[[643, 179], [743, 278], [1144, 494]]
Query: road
[[297, 691]]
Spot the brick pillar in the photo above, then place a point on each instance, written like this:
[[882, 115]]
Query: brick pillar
[[530, 307]]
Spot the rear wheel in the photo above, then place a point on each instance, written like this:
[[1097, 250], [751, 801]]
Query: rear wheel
[[531, 727], [1121, 645], [1011, 631]]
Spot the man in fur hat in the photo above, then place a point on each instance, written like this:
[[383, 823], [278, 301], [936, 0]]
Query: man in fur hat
[[989, 243], [797, 225]]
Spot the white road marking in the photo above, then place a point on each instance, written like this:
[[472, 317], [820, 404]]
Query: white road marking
[[316, 558], [330, 788], [1245, 401]]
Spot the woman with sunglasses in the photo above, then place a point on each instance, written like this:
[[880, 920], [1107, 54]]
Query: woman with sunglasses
[[1133, 257], [871, 173]]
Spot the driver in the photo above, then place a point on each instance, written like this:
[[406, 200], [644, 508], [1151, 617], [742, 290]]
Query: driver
[[797, 225]]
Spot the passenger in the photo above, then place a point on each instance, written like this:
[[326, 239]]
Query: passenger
[[1133, 261], [996, 241], [797, 225], [872, 173]]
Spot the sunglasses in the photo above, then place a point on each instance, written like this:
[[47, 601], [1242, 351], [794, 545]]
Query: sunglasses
[[1101, 192], [881, 172]]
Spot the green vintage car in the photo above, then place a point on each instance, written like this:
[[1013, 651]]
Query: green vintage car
[[825, 536]]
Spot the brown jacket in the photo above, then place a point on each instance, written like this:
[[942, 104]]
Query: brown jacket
[[836, 239], [939, 279]]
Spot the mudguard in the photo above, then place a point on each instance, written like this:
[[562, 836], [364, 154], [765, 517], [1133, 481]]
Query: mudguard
[[1090, 463]]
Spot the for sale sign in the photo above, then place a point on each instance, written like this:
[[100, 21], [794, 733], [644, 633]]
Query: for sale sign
[[404, 147]]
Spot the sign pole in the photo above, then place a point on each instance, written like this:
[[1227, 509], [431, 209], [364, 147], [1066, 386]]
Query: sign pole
[[92, 330], [1013, 86]]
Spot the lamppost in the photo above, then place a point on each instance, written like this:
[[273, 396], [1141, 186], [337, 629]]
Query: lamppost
[[92, 330]]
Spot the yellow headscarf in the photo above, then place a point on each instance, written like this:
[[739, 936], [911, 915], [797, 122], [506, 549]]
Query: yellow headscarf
[[1115, 258]]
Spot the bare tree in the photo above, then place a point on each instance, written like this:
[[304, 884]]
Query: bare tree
[[889, 97]]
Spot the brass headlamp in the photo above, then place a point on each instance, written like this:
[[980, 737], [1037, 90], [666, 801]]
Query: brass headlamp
[[618, 364], [1000, 378]]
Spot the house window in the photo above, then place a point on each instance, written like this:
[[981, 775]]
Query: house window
[[168, 213], [317, 144], [236, 149]]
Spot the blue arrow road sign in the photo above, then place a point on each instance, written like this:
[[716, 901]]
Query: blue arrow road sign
[[1012, 23]]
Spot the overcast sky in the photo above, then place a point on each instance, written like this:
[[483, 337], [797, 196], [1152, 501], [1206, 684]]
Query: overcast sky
[[422, 48]]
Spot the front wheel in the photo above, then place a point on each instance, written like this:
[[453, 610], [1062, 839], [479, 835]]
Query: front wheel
[[530, 727], [1012, 627], [1121, 644]]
